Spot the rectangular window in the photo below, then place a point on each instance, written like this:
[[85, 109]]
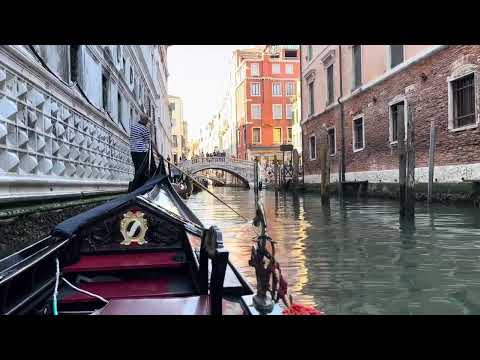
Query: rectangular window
[[309, 52], [255, 89], [331, 141], [256, 136], [255, 69], [119, 53], [290, 54], [311, 95], [276, 89], [105, 91], [276, 68], [288, 68], [124, 67], [396, 55], [74, 63], [358, 134], [357, 65], [313, 148], [463, 92], [131, 115], [290, 88], [289, 111], [256, 111], [119, 107], [330, 89], [174, 140], [131, 75], [277, 135], [277, 111], [397, 114], [289, 134]]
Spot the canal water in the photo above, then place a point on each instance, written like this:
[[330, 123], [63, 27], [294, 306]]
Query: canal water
[[355, 257]]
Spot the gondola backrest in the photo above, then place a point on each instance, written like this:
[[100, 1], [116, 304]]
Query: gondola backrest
[[212, 249]]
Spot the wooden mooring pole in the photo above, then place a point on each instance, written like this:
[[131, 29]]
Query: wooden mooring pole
[[431, 161], [325, 169], [402, 164], [255, 178], [410, 186], [275, 173], [295, 163]]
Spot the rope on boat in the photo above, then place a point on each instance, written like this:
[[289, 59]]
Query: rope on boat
[[84, 291], [55, 292]]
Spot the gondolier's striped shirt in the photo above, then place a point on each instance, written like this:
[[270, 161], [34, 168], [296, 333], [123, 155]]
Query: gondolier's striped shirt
[[139, 138]]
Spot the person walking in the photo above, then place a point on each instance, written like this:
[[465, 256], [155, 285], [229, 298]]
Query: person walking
[[139, 144]]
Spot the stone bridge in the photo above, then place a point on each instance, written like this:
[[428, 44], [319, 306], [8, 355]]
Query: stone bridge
[[243, 169]]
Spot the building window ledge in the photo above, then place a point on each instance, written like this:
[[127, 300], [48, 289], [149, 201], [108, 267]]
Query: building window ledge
[[463, 128], [357, 150]]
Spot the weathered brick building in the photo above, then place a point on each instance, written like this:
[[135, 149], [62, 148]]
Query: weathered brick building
[[380, 85]]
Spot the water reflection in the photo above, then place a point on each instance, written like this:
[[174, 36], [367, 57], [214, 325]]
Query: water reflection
[[357, 256]]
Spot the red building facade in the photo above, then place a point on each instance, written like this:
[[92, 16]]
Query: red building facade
[[266, 85]]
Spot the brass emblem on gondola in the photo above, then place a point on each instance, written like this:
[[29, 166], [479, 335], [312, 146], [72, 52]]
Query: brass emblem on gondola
[[133, 227]]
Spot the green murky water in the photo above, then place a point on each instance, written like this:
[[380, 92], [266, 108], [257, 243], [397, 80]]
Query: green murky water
[[355, 257]]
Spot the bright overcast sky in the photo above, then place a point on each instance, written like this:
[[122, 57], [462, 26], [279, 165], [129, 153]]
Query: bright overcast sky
[[198, 74]]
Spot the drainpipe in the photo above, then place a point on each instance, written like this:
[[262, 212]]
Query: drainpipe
[[300, 117], [341, 165]]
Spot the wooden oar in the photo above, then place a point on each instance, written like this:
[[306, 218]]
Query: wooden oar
[[204, 188]]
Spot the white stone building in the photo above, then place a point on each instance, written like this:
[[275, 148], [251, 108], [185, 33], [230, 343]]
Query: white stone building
[[179, 147], [65, 114]]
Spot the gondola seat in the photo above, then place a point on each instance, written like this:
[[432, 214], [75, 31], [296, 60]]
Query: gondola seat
[[209, 302], [171, 285], [129, 261]]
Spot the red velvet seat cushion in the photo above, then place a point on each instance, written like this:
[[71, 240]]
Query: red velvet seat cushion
[[166, 286], [125, 262]]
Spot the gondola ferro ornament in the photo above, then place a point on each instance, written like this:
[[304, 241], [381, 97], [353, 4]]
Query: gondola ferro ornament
[[133, 227], [269, 287]]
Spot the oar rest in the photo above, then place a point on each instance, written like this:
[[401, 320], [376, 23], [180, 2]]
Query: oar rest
[[212, 250]]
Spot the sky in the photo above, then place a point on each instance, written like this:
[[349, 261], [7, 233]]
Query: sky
[[198, 74]]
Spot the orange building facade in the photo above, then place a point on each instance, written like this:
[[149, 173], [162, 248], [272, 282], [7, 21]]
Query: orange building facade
[[266, 80]]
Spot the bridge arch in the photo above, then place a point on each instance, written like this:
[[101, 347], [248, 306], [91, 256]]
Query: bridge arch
[[243, 169], [245, 181]]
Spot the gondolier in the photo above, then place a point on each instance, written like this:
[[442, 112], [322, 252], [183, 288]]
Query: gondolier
[[139, 143]]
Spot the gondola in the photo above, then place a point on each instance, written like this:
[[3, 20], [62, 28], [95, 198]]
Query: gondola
[[142, 253]]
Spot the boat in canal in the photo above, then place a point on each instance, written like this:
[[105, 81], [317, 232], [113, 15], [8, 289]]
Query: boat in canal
[[142, 253]]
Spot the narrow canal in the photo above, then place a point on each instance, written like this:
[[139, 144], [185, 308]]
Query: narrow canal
[[355, 257]]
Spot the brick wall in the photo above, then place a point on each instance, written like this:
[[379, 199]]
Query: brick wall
[[429, 101]]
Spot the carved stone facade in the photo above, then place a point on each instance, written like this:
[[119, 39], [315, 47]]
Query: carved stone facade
[[65, 115]]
